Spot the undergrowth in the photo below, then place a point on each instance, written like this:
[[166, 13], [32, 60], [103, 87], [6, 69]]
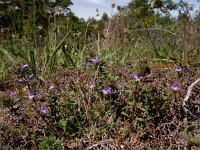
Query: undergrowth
[[116, 88]]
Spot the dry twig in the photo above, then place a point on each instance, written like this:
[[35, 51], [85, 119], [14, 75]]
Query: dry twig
[[186, 99]]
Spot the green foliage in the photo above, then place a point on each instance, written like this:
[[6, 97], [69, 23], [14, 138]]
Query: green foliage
[[54, 60], [50, 143], [69, 125], [32, 62], [192, 140], [24, 17]]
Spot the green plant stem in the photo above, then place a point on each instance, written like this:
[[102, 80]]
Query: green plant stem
[[136, 89]]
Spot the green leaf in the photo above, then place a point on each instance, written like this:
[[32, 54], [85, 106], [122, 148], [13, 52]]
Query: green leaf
[[141, 119], [132, 103], [33, 62], [122, 131], [125, 114], [185, 134], [62, 123], [143, 109], [192, 140], [59, 45], [5, 52]]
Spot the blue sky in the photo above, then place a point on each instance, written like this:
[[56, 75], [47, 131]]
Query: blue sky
[[87, 8]]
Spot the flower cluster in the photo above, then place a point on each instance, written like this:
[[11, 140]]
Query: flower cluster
[[175, 86], [95, 60], [107, 91], [136, 76]]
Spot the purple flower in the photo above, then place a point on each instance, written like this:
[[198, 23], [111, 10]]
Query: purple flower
[[52, 87], [178, 68], [21, 80], [95, 59], [31, 77], [92, 86], [24, 66], [31, 96], [12, 93], [149, 75], [110, 90], [175, 86], [36, 92], [189, 71], [107, 91], [43, 110], [137, 77], [85, 65]]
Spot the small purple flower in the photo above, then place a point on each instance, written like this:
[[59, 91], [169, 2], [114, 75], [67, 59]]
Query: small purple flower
[[95, 59], [43, 110], [31, 77], [12, 93], [24, 66], [175, 86], [31, 96], [107, 91], [52, 87], [36, 92], [110, 90], [189, 72], [137, 77], [21, 80], [178, 68], [85, 65], [149, 75], [92, 86]]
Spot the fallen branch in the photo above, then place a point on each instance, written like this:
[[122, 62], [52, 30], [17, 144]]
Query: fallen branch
[[186, 99]]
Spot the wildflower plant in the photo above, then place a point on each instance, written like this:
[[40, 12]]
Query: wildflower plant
[[52, 87], [176, 87], [24, 66], [31, 96], [95, 60], [21, 80], [43, 110], [12, 93], [137, 77], [107, 91], [31, 77], [179, 70]]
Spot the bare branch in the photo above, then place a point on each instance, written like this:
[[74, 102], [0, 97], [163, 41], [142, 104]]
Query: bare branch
[[186, 99]]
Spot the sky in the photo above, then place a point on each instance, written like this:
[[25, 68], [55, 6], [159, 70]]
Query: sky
[[87, 8]]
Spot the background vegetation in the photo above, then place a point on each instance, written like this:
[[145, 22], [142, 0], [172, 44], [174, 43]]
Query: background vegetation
[[114, 83]]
